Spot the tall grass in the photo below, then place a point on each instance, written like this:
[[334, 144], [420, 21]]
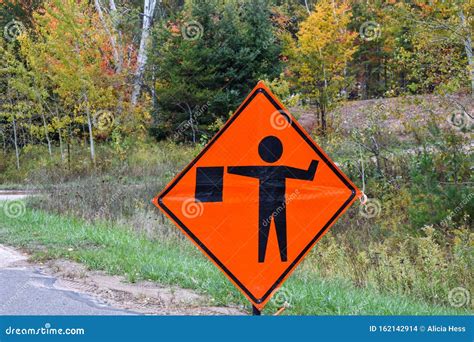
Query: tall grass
[[170, 261], [420, 244]]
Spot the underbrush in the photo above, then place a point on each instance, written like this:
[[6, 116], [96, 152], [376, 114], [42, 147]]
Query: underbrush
[[132, 162], [390, 247], [420, 267], [413, 238], [119, 251]]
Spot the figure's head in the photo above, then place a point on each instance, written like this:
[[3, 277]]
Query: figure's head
[[270, 149]]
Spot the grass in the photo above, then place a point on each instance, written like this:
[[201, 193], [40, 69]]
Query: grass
[[12, 186], [172, 261]]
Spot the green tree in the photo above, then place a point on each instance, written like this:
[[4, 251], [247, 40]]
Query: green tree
[[16, 106], [205, 62], [70, 45], [411, 47], [319, 57], [444, 32]]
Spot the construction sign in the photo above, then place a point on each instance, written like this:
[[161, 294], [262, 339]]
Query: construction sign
[[258, 196]]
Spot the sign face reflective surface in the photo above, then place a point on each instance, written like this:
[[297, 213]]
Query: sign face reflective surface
[[258, 197]]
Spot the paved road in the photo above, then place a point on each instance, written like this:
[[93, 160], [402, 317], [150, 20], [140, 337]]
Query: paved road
[[66, 288], [8, 195], [24, 290]]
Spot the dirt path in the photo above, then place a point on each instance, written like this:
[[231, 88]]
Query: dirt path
[[64, 287]]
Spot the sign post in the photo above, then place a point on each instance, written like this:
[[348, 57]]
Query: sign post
[[258, 197]]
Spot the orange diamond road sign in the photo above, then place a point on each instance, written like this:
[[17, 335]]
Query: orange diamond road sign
[[258, 196]]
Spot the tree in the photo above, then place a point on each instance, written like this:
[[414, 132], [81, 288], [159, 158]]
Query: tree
[[15, 106], [370, 63], [20, 11], [319, 57], [148, 12], [206, 61], [447, 23], [73, 52]]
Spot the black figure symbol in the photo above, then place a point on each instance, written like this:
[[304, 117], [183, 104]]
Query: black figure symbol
[[272, 188]]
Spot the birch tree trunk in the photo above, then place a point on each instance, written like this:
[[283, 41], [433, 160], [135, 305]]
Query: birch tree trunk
[[69, 148], [4, 141], [46, 134], [60, 134], [15, 133], [89, 124], [148, 10], [307, 6], [61, 144], [113, 13], [113, 41], [15, 141], [112, 5], [323, 100]]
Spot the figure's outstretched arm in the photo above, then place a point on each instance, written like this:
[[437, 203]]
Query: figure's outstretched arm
[[295, 173], [248, 171]]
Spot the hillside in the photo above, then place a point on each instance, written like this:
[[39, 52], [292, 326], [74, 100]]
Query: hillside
[[396, 114]]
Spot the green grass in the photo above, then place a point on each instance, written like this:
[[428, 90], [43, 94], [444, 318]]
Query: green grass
[[172, 261], [12, 186]]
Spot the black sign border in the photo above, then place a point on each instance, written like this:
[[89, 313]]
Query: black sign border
[[300, 256]]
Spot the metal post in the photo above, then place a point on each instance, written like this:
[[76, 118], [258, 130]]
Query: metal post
[[255, 311]]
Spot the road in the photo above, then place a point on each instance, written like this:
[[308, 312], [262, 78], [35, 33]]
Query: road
[[63, 287], [25, 290], [11, 195]]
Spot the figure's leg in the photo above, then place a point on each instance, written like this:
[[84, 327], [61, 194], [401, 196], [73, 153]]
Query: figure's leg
[[265, 220], [280, 224]]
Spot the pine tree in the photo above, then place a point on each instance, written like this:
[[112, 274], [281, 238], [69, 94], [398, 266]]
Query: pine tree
[[208, 58]]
